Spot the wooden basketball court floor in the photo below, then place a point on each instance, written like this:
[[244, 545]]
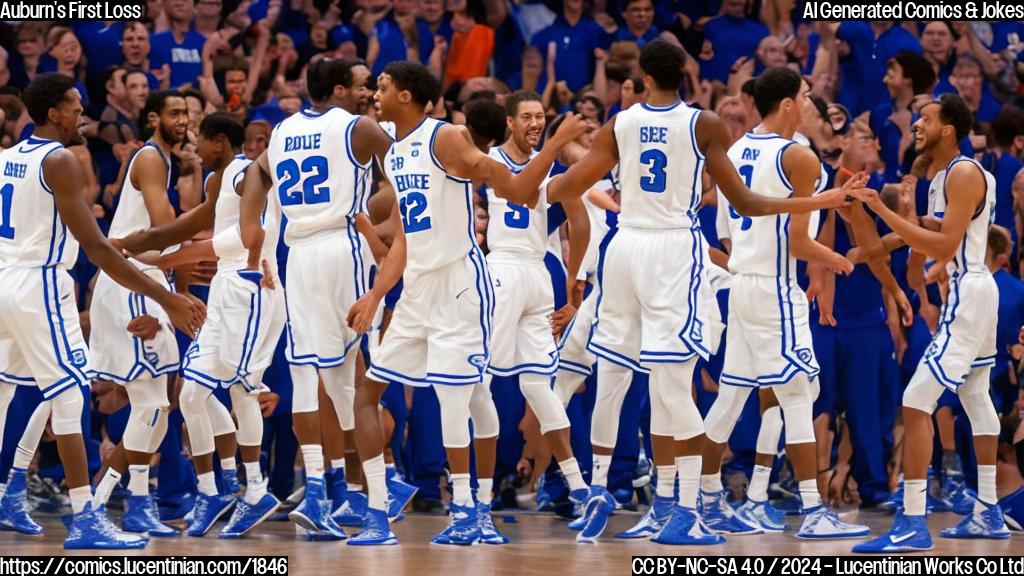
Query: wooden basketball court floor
[[540, 545]]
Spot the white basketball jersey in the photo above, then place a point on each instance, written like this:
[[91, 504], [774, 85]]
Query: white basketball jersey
[[131, 215], [515, 232], [659, 166], [436, 207], [31, 232], [317, 179], [760, 245], [970, 255], [228, 208]]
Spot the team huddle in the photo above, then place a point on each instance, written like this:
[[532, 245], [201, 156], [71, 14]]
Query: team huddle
[[462, 318]]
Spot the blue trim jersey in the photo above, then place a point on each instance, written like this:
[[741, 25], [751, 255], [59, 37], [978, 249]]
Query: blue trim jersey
[[516, 232], [31, 232], [970, 255]]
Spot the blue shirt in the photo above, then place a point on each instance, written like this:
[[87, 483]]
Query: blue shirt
[[988, 107], [101, 44], [858, 298], [392, 44], [1006, 168], [186, 58], [1011, 317], [444, 30], [624, 35], [508, 58], [731, 38], [888, 134], [575, 56], [862, 71]]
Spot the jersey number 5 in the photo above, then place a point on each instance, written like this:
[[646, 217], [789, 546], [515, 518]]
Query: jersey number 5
[[6, 197], [655, 161], [313, 173], [412, 206]]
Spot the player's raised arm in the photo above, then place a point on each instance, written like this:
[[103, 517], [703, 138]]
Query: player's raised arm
[[599, 160], [179, 230], [255, 186], [803, 169], [63, 174], [456, 152]]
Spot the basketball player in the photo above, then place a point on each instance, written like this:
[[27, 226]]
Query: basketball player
[[141, 366], [769, 345], [236, 345], [440, 332], [318, 161], [962, 351], [522, 343], [40, 339], [648, 318]]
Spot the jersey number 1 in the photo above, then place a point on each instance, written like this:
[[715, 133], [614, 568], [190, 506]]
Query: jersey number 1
[[6, 197], [747, 171], [312, 174], [655, 161]]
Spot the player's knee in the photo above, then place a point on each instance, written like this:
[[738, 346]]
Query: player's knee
[[923, 392], [484, 413], [799, 422], [67, 412], [192, 399], [220, 419], [454, 402], [304, 390], [771, 429], [545, 404], [723, 414], [981, 413]]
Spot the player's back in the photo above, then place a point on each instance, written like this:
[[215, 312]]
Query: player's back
[[760, 245], [516, 233], [317, 178], [31, 231], [659, 166], [970, 255], [227, 216], [436, 207]]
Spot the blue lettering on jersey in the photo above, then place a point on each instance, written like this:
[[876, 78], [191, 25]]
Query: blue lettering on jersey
[[653, 135], [15, 170], [304, 142], [405, 182], [750, 154], [413, 202]]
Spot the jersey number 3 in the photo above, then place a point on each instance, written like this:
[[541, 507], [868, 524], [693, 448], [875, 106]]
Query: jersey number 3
[[313, 173], [655, 161], [6, 197]]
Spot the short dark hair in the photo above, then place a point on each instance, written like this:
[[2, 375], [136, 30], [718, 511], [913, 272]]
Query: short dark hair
[[748, 87], [773, 86], [821, 106], [1007, 126], [663, 61], [45, 92], [193, 93], [998, 243], [486, 119], [417, 79], [110, 72], [954, 111], [325, 74], [513, 100], [134, 70], [222, 123], [156, 101], [916, 68]]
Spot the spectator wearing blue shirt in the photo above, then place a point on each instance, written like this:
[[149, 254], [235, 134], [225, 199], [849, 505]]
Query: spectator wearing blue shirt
[[639, 18], [575, 36], [728, 38], [1008, 133], [66, 53], [871, 47], [972, 87], [1011, 316], [907, 75], [101, 41], [180, 47], [937, 40], [135, 52]]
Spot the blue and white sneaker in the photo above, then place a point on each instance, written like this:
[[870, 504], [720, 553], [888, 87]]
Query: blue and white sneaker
[[352, 511], [988, 523], [895, 501], [376, 530], [92, 530], [686, 528], [579, 499], [247, 516], [908, 534], [141, 516], [231, 485], [653, 520], [762, 514], [206, 511], [962, 500], [337, 488], [720, 517], [400, 494], [463, 528], [314, 512], [13, 513], [599, 508], [488, 531], [822, 523]]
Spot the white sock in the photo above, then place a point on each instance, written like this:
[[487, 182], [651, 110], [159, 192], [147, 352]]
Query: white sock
[[80, 497], [338, 464], [711, 483], [228, 464], [666, 481], [207, 484], [688, 468], [253, 473], [254, 491], [758, 489], [571, 470], [602, 462], [987, 484], [138, 479], [374, 473], [809, 494], [355, 487], [105, 487], [313, 457], [484, 493], [914, 497], [23, 457], [463, 496]]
